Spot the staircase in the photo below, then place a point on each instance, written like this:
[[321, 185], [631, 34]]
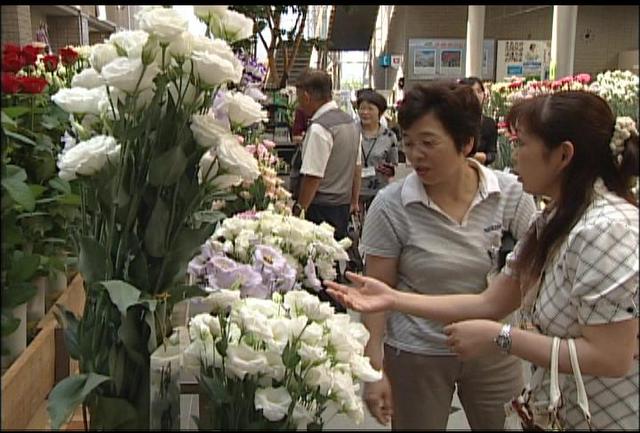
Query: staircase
[[300, 63]]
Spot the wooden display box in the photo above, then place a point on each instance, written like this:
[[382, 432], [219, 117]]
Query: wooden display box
[[28, 381]]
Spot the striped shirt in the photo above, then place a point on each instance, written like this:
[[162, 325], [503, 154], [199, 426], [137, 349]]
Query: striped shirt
[[437, 255], [592, 280], [383, 147]]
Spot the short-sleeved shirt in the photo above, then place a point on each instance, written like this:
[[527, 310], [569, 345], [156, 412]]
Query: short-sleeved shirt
[[383, 147], [317, 145], [592, 280], [438, 255]]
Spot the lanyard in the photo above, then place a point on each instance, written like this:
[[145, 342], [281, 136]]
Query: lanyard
[[366, 158]]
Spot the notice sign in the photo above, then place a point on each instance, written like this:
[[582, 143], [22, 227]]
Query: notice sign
[[432, 59], [523, 58], [396, 61]]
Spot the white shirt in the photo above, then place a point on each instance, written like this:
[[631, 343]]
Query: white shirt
[[317, 145]]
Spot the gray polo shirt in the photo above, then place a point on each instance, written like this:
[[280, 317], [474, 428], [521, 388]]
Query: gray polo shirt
[[376, 150], [436, 254]]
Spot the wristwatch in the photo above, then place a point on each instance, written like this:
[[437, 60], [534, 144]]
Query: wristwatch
[[503, 339]]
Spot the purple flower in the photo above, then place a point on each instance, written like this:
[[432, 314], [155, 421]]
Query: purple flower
[[277, 273]]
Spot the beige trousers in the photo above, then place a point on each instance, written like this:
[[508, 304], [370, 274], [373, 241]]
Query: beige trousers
[[422, 387]]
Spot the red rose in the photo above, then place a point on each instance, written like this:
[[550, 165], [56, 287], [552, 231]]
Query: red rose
[[515, 84], [32, 84], [29, 55], [68, 56], [11, 62], [11, 49], [38, 49], [583, 78], [50, 62], [10, 83]]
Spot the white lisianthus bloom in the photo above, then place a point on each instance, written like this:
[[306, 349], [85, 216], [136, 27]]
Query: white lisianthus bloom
[[205, 11], [208, 167], [243, 109], [207, 131], [222, 299], [124, 74], [88, 157], [310, 353], [322, 312], [320, 376], [274, 402], [226, 181], [180, 48], [264, 306], [166, 24], [252, 321], [236, 159], [362, 369], [359, 332], [313, 334], [88, 78], [80, 99], [300, 301], [235, 27], [276, 368], [302, 415], [213, 70], [243, 360], [101, 55], [201, 352], [131, 41], [217, 47], [191, 96]]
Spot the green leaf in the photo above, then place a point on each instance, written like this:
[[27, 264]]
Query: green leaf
[[37, 190], [69, 322], [8, 121], [115, 413], [92, 262], [20, 192], [209, 216], [61, 185], [149, 317], [8, 323], [70, 199], [156, 230], [122, 294], [131, 333], [49, 122], [16, 172], [23, 268], [166, 168], [68, 394], [15, 112], [182, 292], [20, 137], [17, 294]]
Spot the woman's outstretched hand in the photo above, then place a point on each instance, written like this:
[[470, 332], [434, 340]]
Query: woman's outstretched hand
[[368, 295]]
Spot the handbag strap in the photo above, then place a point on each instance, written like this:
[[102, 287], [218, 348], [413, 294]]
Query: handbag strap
[[554, 386], [583, 401]]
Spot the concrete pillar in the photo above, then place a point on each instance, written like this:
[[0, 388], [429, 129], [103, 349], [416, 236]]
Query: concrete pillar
[[63, 31], [16, 25], [475, 38], [563, 41]]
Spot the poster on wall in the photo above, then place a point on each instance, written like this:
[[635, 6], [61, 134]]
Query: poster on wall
[[433, 59], [523, 58], [451, 62], [424, 61]]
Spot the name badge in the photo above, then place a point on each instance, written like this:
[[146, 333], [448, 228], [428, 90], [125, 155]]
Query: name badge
[[368, 171]]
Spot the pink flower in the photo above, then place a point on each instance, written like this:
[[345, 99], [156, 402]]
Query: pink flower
[[240, 139], [269, 144], [583, 78]]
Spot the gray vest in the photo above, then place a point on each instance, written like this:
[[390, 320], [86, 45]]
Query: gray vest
[[336, 185]]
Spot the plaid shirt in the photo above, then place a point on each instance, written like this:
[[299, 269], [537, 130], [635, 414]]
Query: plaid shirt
[[592, 280]]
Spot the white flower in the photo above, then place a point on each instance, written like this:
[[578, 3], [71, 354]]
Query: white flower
[[167, 24], [320, 376], [243, 109], [101, 55], [235, 27], [80, 99], [201, 352], [124, 74], [276, 369], [213, 70], [243, 360], [236, 159], [88, 157], [359, 332], [226, 181], [313, 333], [255, 94], [264, 306], [310, 353], [180, 48], [191, 96], [208, 166], [362, 369], [205, 11], [131, 41], [274, 402], [88, 78], [207, 131], [303, 415], [253, 321], [222, 299]]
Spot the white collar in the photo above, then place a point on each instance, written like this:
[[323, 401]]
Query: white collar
[[413, 189]]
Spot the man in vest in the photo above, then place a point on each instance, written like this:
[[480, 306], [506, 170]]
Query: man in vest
[[329, 176], [331, 162]]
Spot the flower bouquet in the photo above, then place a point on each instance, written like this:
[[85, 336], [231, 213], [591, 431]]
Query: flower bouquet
[[277, 363], [309, 249], [146, 155]]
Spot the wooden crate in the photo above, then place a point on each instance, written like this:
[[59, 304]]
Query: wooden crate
[[27, 382]]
